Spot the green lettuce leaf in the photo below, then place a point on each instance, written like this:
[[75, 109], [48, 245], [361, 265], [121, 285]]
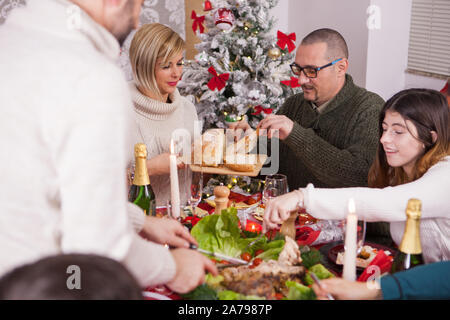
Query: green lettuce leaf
[[320, 271], [220, 233], [298, 291], [202, 292], [311, 258]]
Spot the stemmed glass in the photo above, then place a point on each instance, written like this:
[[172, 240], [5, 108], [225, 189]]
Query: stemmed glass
[[274, 186], [360, 234], [194, 188]]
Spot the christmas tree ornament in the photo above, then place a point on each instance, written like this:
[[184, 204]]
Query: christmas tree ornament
[[224, 19], [198, 22], [217, 81], [207, 6], [274, 53], [255, 89], [202, 58], [286, 40], [259, 109], [293, 83]]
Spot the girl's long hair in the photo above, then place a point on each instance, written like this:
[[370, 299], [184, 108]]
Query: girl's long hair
[[428, 110]]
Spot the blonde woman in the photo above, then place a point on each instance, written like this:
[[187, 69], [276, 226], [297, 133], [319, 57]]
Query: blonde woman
[[156, 56]]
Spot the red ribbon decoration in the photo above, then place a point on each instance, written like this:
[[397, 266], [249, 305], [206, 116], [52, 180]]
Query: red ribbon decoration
[[218, 81], [293, 83], [198, 22], [284, 40], [259, 109]]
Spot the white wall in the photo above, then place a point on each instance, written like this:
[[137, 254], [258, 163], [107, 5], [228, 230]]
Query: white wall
[[387, 54], [280, 13], [348, 17], [378, 58], [416, 81]]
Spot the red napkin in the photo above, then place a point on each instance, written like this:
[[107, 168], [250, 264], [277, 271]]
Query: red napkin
[[382, 261], [206, 207], [306, 235]]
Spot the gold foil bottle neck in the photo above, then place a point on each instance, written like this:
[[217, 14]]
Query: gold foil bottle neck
[[414, 209], [411, 237], [140, 150], [141, 177]]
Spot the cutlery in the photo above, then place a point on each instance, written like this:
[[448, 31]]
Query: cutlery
[[219, 255], [317, 281]]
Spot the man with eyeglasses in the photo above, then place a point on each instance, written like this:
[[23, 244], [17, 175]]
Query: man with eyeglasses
[[328, 132]]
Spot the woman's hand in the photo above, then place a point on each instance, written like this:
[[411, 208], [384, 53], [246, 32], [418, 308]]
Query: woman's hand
[[167, 231], [279, 209], [347, 290], [191, 269], [160, 164]]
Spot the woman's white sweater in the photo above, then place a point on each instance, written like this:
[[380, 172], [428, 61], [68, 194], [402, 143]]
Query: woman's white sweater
[[389, 204], [155, 123]]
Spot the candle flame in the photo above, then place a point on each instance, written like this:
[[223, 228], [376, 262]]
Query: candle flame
[[351, 206]]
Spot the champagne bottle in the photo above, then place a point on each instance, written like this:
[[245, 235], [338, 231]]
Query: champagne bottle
[[141, 192], [409, 254]]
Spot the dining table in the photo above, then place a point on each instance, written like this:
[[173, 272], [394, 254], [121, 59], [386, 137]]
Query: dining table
[[311, 233]]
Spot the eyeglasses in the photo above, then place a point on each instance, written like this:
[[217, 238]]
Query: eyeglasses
[[310, 72]]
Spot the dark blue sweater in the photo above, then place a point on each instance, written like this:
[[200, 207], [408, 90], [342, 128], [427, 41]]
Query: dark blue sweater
[[430, 281]]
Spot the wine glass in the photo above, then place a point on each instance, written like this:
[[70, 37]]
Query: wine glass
[[194, 188], [360, 234], [274, 186]]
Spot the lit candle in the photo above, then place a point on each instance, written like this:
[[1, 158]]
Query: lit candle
[[349, 272], [174, 187]]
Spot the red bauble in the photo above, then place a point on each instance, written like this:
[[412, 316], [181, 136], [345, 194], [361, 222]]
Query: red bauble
[[224, 19], [207, 6]]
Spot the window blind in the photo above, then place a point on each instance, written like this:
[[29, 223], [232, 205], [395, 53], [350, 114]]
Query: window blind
[[429, 42]]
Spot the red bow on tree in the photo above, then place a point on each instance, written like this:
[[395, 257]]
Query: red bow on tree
[[218, 81], [259, 109], [284, 40], [293, 83], [198, 22]]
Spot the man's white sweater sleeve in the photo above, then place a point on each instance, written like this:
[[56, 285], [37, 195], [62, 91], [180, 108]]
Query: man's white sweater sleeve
[[88, 135]]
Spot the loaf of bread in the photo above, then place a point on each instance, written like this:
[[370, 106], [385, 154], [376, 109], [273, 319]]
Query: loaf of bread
[[210, 149], [241, 162]]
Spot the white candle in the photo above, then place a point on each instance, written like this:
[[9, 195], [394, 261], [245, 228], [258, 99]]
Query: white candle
[[174, 187], [349, 272]]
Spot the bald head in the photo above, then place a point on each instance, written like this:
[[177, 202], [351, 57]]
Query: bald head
[[336, 45]]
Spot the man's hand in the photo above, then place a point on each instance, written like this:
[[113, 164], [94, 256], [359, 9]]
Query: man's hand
[[273, 122], [191, 269], [160, 164], [167, 231], [347, 290], [279, 209]]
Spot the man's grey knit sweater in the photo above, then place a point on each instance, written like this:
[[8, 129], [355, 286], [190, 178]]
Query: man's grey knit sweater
[[336, 147]]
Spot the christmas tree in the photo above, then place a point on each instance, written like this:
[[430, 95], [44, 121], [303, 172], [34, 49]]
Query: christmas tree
[[241, 68]]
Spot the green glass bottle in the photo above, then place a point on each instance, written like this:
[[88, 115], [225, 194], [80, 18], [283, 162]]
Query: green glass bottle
[[409, 253], [141, 192]]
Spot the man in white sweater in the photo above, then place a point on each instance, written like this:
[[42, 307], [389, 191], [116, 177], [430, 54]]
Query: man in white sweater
[[65, 118]]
